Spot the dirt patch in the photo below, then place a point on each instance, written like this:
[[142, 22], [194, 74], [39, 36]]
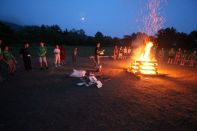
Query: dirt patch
[[49, 100]]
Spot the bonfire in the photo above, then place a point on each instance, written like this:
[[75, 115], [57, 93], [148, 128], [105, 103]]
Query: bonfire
[[144, 63]]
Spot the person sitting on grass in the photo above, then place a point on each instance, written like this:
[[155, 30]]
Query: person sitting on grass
[[42, 51], [57, 56], [10, 60], [26, 56]]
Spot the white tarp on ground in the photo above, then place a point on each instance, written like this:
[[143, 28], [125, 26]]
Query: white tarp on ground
[[86, 80], [78, 73]]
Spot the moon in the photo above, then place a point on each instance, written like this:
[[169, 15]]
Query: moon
[[82, 18]]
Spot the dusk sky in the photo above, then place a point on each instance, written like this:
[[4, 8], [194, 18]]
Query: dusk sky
[[111, 17]]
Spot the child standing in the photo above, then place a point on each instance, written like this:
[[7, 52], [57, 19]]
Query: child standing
[[42, 51], [57, 56], [10, 60]]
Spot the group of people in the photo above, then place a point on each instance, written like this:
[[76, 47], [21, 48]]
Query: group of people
[[59, 56], [8, 61], [121, 52], [179, 57], [172, 56]]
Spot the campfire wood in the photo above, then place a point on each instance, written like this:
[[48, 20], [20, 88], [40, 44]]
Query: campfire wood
[[144, 67]]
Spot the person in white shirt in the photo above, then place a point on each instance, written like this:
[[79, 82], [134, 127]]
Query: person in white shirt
[[57, 56]]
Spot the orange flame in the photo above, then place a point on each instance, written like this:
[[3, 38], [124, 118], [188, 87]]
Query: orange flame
[[146, 55], [144, 64]]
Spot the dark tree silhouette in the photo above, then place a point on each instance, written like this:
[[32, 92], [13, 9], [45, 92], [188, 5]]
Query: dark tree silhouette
[[53, 34]]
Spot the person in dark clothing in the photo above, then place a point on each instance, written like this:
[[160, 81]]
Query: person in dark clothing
[[97, 53], [3, 64], [62, 54], [74, 56], [25, 54]]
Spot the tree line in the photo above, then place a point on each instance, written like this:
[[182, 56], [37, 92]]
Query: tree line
[[16, 35]]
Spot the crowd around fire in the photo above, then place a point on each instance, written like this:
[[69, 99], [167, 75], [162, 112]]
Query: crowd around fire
[[170, 56], [8, 61]]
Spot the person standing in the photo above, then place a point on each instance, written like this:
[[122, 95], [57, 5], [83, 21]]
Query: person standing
[[193, 58], [25, 54], [97, 53], [115, 52], [42, 51], [10, 60], [62, 54], [74, 56], [57, 56], [1, 47], [125, 52], [171, 55], [183, 57], [120, 53], [161, 55], [3, 64], [129, 52], [178, 56]]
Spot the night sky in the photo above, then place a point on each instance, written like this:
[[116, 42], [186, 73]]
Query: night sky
[[111, 17]]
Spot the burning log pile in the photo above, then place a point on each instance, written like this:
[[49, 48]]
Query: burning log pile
[[144, 64], [144, 67]]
